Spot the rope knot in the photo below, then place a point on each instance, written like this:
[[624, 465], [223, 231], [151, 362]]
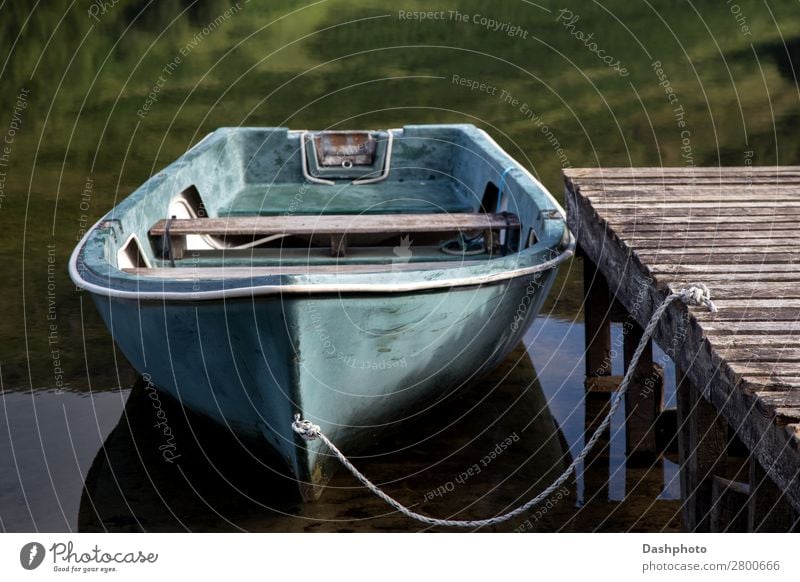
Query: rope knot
[[698, 294], [305, 428]]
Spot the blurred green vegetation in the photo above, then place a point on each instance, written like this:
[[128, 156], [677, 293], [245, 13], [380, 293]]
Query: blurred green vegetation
[[351, 64]]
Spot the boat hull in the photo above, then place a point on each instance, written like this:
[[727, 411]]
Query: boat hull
[[355, 364]]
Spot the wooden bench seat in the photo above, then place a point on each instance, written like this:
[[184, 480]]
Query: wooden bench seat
[[337, 226]]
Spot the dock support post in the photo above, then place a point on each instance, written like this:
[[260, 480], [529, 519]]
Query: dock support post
[[729, 506], [702, 442], [644, 398], [597, 307], [768, 510]]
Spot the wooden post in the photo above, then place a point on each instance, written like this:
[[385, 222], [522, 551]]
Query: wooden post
[[702, 443], [768, 510], [729, 506], [597, 303], [644, 398], [339, 245], [596, 308]]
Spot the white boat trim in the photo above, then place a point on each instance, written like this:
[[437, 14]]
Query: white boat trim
[[258, 290]]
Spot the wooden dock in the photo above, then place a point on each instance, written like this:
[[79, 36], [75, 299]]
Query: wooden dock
[[645, 231]]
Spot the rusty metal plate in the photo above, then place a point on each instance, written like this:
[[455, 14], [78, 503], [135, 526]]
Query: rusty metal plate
[[345, 148]]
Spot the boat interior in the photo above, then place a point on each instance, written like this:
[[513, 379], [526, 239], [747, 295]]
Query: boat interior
[[283, 201]]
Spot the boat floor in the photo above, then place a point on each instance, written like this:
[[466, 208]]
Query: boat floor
[[417, 196]]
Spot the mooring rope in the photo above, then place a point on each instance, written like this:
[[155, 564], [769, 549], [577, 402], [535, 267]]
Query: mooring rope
[[696, 294]]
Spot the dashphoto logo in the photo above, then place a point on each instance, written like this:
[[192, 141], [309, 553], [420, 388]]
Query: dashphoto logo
[[31, 555]]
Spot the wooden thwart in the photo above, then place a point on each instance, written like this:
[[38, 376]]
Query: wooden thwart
[[337, 226]]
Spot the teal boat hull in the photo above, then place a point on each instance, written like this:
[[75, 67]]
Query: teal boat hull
[[353, 365], [354, 351]]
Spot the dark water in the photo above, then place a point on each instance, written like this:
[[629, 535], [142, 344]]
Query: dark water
[[95, 100]]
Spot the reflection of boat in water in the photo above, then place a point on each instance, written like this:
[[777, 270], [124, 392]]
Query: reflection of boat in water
[[491, 444], [354, 277]]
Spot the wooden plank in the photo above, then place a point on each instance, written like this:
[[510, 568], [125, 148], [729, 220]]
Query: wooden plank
[[641, 181], [655, 227], [699, 192], [602, 384], [719, 243], [764, 368], [332, 224], [732, 269], [725, 250], [638, 172], [708, 219], [768, 353], [704, 208], [339, 245], [724, 342], [681, 235], [744, 257], [773, 314], [748, 289], [757, 303], [770, 328], [759, 383]]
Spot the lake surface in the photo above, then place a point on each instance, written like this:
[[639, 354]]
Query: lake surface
[[97, 98]]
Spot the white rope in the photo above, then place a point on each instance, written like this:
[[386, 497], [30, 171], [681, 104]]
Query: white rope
[[697, 294]]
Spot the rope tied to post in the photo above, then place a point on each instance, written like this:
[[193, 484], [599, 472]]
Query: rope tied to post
[[696, 294]]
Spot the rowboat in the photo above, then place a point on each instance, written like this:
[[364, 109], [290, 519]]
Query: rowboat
[[353, 277]]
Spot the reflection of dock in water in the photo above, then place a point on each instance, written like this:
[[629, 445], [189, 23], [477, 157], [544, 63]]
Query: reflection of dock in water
[[492, 446]]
